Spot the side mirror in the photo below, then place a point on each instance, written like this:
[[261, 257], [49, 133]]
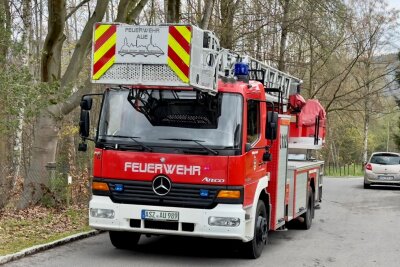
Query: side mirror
[[248, 147], [86, 103], [84, 123], [267, 156], [271, 129], [82, 147]]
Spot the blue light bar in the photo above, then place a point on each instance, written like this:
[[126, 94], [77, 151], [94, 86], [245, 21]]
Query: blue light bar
[[241, 69]]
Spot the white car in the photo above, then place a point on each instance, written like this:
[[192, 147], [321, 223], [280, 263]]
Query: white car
[[383, 168]]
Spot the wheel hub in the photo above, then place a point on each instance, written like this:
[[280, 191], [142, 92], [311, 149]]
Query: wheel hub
[[261, 230]]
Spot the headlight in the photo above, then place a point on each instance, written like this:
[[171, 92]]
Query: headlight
[[102, 213], [223, 221]]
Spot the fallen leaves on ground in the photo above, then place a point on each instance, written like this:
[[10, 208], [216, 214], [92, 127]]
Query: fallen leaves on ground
[[20, 229]]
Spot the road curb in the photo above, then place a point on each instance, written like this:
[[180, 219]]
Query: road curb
[[38, 248]]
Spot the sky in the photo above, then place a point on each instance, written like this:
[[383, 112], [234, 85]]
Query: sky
[[394, 3]]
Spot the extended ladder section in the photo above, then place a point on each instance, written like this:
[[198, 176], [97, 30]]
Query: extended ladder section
[[308, 118], [278, 85], [176, 55]]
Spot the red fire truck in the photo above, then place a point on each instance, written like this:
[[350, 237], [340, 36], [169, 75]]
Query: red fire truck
[[195, 140]]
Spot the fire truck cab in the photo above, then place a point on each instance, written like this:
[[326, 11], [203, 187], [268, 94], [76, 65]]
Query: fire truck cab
[[195, 140]]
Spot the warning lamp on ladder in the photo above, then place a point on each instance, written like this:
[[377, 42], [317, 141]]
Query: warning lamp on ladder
[[242, 71]]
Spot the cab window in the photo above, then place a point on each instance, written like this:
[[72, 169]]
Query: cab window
[[253, 121]]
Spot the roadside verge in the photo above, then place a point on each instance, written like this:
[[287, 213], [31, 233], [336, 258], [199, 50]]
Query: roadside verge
[[39, 248]]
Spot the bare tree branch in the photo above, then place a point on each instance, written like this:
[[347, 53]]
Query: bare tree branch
[[80, 52], [135, 12], [76, 8]]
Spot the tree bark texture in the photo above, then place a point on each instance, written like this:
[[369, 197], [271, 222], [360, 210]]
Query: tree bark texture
[[208, 8], [134, 13], [51, 55], [5, 28], [173, 8], [284, 35], [228, 9]]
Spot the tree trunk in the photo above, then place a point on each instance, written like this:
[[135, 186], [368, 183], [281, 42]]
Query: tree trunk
[[228, 9], [284, 33], [43, 152], [123, 9], [208, 8], [173, 11], [5, 28], [27, 42], [135, 12], [5, 148], [46, 129], [51, 57]]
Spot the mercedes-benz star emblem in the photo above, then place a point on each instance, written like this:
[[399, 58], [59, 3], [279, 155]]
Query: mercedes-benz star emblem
[[161, 185]]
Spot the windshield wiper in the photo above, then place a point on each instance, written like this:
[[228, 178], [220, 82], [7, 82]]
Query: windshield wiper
[[133, 138], [192, 140]]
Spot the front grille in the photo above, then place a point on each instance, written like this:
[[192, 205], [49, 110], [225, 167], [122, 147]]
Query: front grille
[[181, 195]]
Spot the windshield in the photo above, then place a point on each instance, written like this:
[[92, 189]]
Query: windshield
[[385, 159], [170, 115]]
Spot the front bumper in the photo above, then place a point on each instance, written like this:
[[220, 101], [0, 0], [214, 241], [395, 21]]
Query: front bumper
[[126, 213]]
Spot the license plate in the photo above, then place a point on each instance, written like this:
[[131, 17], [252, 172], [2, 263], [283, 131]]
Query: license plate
[[387, 178], [158, 215]]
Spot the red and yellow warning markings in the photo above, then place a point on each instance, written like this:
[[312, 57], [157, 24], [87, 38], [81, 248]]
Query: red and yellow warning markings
[[179, 39], [105, 39]]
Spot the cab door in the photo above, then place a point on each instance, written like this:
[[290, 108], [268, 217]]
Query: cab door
[[255, 167]]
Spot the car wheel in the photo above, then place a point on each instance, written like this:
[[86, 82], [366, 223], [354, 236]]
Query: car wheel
[[124, 240], [367, 186], [254, 248]]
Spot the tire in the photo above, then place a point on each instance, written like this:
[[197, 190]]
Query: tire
[[367, 186], [124, 240], [309, 214], [254, 248]]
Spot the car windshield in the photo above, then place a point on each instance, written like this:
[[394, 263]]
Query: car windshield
[[385, 159], [185, 116]]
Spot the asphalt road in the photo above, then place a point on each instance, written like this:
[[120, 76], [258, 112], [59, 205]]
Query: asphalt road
[[354, 227]]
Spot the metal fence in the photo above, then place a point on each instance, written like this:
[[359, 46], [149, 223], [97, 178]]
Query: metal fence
[[343, 169]]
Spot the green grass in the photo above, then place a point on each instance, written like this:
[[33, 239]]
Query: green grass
[[22, 230]]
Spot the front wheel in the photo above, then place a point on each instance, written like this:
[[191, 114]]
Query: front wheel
[[124, 240], [254, 248]]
